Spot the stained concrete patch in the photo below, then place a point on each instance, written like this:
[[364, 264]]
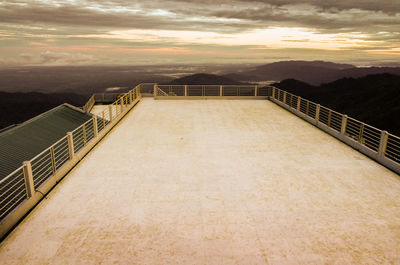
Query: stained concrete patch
[[215, 182]]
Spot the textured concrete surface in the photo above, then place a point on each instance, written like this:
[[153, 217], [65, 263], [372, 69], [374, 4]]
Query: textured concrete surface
[[215, 182]]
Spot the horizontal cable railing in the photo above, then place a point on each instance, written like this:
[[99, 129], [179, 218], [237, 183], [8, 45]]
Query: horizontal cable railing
[[89, 104], [381, 143], [20, 185], [13, 192], [211, 90], [392, 149]]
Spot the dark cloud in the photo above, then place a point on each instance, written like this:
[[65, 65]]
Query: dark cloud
[[217, 16]]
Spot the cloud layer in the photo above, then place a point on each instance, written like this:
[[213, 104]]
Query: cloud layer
[[119, 31]]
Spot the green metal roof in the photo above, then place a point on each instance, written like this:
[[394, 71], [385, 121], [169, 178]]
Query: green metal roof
[[25, 141]]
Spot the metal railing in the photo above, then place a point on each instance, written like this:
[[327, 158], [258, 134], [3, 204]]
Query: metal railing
[[210, 91], [89, 104], [21, 184], [378, 144]]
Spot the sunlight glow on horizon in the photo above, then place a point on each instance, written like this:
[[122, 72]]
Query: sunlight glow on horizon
[[276, 37]]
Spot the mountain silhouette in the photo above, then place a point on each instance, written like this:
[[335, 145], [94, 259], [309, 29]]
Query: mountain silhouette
[[312, 72], [373, 99], [204, 79]]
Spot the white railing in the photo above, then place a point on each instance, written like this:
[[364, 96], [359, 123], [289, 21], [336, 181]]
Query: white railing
[[210, 91], [23, 183], [377, 144]]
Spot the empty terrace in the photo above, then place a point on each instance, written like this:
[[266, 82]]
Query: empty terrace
[[215, 182]]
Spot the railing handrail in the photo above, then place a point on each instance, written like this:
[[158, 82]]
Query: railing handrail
[[89, 104], [49, 161], [230, 91], [381, 144], [334, 111], [378, 144], [9, 175]]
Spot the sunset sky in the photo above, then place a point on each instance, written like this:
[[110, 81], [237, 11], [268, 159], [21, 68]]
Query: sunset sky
[[124, 32]]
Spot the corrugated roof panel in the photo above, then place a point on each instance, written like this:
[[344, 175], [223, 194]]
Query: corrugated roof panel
[[28, 139]]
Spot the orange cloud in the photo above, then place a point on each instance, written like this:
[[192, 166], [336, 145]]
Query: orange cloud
[[36, 43]]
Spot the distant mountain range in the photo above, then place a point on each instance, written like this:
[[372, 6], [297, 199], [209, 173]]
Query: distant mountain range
[[204, 79], [312, 72], [373, 99]]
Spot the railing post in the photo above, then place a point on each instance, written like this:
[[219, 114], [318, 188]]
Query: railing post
[[273, 92], [186, 90], [383, 143], [53, 162], [28, 177], [221, 91], [298, 104], [116, 108], [95, 128], [284, 97], [329, 118], [308, 108], [103, 119], [255, 90], [110, 112], [70, 140], [361, 134], [344, 125], [122, 103], [317, 112]]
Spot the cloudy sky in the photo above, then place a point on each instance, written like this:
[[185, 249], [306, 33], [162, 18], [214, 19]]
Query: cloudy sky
[[128, 32]]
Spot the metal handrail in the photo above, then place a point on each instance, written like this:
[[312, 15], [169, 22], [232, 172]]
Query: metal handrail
[[210, 90], [48, 162], [380, 142]]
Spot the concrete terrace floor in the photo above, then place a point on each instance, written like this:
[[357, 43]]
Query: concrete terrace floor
[[215, 182]]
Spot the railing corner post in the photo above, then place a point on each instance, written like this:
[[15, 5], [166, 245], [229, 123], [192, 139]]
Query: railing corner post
[[70, 140], [383, 143], [221, 90], [28, 177], [255, 91]]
